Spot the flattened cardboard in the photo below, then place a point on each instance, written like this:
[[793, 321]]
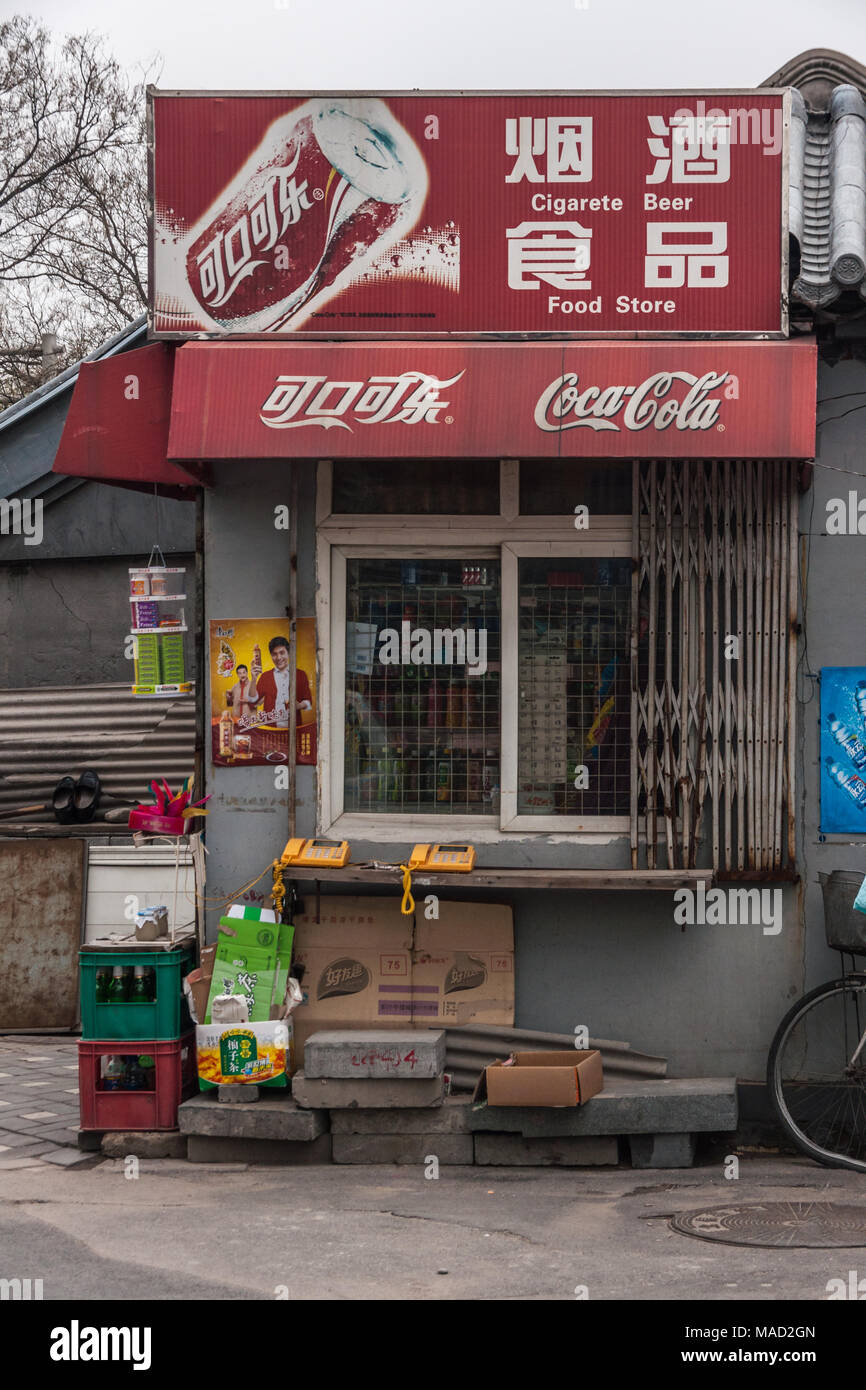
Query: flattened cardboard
[[368, 966], [542, 1078]]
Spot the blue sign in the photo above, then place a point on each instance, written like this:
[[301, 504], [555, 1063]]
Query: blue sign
[[843, 750]]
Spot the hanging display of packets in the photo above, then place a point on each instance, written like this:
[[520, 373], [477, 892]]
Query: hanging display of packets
[[158, 625]]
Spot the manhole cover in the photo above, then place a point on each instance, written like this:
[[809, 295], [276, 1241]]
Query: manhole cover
[[813, 1224]]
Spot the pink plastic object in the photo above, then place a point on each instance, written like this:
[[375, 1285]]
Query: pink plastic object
[[143, 819]]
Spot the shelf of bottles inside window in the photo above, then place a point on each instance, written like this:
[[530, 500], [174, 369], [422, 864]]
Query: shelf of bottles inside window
[[574, 747], [423, 735]]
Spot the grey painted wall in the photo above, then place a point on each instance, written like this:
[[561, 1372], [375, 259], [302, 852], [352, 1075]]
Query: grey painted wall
[[64, 621], [834, 634], [708, 998]]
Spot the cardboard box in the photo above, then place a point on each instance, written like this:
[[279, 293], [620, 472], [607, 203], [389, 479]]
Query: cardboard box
[[542, 1078], [368, 966], [197, 984], [243, 1053], [253, 956]]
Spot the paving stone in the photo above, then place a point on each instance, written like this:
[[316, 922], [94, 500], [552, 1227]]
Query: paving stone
[[145, 1144], [210, 1149], [512, 1150], [452, 1117], [375, 1053], [7, 1165], [34, 1150], [266, 1119], [662, 1150], [676, 1106], [66, 1135], [402, 1148], [364, 1092], [15, 1124], [68, 1158], [14, 1141], [41, 1115]]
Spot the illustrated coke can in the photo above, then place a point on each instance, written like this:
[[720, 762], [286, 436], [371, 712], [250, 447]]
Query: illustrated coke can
[[332, 186]]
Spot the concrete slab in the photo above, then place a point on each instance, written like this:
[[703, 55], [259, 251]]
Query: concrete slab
[[144, 1144], [237, 1094], [662, 1150], [375, 1053], [513, 1151], [675, 1106], [269, 1118], [209, 1149], [402, 1148], [367, 1093], [452, 1117]]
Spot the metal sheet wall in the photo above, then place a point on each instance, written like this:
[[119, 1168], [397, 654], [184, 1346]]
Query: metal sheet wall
[[50, 732], [40, 932]]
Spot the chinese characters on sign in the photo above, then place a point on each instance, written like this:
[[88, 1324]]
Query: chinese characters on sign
[[436, 214]]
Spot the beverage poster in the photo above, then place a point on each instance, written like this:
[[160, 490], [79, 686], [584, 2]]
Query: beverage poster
[[432, 214], [843, 750], [249, 691]]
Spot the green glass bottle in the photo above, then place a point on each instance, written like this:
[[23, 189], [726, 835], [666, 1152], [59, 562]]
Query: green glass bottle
[[118, 990]]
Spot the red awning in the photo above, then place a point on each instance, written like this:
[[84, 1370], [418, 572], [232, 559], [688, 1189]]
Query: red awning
[[573, 399], [117, 427]]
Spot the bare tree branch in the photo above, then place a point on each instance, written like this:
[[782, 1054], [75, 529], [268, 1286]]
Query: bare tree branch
[[73, 204]]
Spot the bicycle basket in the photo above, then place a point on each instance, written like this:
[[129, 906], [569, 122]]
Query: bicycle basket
[[844, 927]]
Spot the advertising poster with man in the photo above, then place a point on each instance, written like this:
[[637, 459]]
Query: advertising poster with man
[[250, 660]]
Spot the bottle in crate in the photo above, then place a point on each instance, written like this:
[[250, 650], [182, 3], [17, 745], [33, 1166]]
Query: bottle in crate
[[121, 1088]]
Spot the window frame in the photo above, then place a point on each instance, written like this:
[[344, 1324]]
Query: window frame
[[505, 537], [512, 552]]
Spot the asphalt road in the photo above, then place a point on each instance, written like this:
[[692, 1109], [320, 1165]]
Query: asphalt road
[[180, 1230]]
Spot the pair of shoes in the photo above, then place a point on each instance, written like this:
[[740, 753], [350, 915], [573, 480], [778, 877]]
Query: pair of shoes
[[76, 801]]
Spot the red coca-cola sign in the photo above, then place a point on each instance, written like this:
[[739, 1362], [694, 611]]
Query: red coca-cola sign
[[480, 400], [439, 215]]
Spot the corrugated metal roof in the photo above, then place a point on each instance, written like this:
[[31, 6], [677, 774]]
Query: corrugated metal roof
[[470, 1048], [65, 380], [55, 731]]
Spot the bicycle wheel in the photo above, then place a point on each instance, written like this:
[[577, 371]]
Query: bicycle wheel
[[816, 1083]]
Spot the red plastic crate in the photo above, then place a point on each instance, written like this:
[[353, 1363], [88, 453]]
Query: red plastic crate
[[176, 1079]]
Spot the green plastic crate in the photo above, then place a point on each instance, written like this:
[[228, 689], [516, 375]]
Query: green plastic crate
[[166, 1019]]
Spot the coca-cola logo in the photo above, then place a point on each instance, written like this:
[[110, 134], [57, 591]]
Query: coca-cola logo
[[565, 405], [233, 255], [412, 398]]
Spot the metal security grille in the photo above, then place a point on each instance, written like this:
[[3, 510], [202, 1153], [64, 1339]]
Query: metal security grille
[[574, 737], [423, 686], [713, 662]]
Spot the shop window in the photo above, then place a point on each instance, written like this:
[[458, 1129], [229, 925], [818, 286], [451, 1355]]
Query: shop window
[[422, 488], [573, 688], [422, 713], [558, 486]]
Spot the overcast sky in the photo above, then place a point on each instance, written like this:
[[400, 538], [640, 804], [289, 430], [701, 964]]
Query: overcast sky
[[387, 44]]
